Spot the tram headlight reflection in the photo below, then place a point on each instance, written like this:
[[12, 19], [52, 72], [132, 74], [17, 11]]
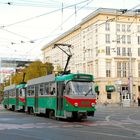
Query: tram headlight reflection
[[76, 104], [93, 104]]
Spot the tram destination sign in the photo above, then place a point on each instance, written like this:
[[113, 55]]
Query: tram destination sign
[[83, 77]]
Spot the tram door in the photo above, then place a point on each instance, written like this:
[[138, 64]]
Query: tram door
[[36, 98], [59, 102], [125, 96], [8, 99], [17, 99]]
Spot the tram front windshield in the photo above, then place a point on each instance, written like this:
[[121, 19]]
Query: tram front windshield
[[80, 88]]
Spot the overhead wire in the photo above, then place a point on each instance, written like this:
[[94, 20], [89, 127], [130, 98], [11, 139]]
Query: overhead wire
[[28, 38], [31, 3], [48, 13], [15, 33], [61, 24], [2, 27], [37, 4]]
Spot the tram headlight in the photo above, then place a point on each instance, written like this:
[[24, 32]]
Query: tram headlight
[[93, 104], [76, 104]]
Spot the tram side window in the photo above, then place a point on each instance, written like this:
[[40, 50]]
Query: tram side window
[[31, 91], [28, 93], [6, 94], [41, 89], [46, 86], [52, 89], [14, 93], [11, 93]]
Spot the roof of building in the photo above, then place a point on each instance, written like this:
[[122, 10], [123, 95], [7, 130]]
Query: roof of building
[[117, 12]]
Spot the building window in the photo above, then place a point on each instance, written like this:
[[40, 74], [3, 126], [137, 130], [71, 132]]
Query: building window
[[107, 26], [118, 27], [123, 51], [122, 69], [108, 69], [128, 39], [118, 39], [138, 69], [138, 28], [123, 27], [118, 51], [128, 28], [138, 51], [96, 39], [107, 50], [107, 38], [123, 39], [129, 51], [138, 39], [118, 69]]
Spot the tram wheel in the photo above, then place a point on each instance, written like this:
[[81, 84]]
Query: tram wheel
[[13, 108], [31, 111], [51, 114]]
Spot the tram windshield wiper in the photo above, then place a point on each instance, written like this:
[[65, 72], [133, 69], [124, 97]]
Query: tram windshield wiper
[[88, 91]]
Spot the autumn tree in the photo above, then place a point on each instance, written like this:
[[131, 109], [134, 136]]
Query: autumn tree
[[38, 69], [17, 78], [35, 69], [1, 92]]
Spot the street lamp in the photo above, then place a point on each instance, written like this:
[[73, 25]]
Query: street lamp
[[130, 79]]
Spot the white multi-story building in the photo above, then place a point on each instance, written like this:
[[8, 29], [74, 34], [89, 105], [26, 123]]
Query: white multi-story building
[[107, 45]]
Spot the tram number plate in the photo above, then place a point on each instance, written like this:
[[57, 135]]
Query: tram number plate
[[82, 111]]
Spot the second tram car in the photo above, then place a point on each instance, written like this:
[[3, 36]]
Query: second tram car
[[14, 97]]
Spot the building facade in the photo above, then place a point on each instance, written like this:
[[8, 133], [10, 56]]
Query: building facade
[[106, 44]]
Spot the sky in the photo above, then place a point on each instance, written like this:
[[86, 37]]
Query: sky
[[27, 25]]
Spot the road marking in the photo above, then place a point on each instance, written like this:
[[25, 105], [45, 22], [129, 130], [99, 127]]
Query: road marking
[[107, 118], [106, 134]]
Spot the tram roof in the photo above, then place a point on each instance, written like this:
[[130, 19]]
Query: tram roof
[[43, 79], [9, 87]]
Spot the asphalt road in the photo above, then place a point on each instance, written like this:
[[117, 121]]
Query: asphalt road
[[108, 124]]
